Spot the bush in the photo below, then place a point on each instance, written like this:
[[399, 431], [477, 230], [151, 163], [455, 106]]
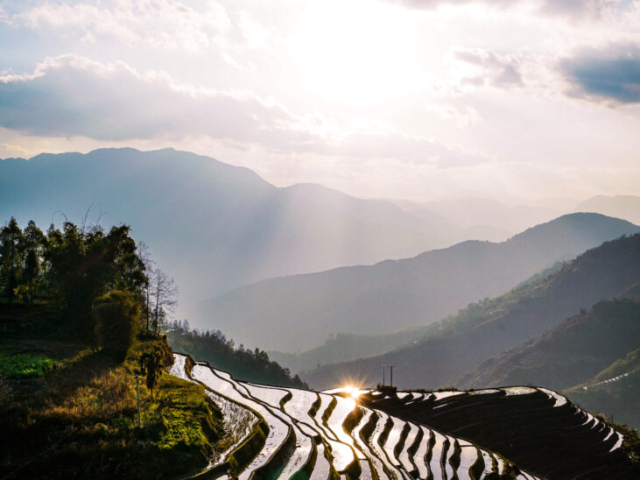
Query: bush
[[116, 316]]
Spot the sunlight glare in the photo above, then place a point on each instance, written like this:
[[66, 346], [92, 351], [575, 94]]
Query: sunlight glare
[[354, 392], [353, 51]]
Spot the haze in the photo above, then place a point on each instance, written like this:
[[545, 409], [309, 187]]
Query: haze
[[406, 99]]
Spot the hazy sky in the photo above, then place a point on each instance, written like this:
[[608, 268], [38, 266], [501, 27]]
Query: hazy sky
[[412, 99]]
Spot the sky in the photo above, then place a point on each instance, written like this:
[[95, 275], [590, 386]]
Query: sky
[[406, 99]]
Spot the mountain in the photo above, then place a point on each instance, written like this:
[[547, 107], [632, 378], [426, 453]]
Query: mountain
[[462, 342], [569, 354], [344, 347], [614, 391], [213, 226], [626, 207], [298, 312], [510, 214], [493, 230]]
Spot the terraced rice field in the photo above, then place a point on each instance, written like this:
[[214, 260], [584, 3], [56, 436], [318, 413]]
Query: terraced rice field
[[290, 433], [538, 429]]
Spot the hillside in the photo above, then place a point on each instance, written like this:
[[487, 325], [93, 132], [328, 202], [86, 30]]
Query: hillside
[[68, 409], [210, 225], [613, 391], [543, 432], [569, 354], [350, 433], [299, 312], [344, 347], [243, 364], [462, 342]]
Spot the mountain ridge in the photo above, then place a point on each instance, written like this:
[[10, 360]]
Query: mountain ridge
[[411, 291], [462, 342], [213, 226]]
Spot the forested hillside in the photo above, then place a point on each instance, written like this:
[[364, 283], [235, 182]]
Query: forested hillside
[[570, 354], [76, 341], [244, 364], [462, 342]]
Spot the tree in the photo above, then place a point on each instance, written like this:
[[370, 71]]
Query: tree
[[10, 258], [85, 265], [116, 316], [150, 365], [164, 293], [27, 289], [145, 258]]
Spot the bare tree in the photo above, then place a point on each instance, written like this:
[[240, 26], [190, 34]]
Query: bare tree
[[165, 296], [149, 266]]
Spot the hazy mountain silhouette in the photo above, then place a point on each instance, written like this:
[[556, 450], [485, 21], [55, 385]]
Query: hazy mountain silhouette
[[344, 347], [473, 211], [214, 226], [462, 342], [626, 207], [299, 312]]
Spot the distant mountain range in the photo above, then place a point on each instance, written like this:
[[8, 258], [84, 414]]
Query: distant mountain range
[[463, 342], [211, 225], [620, 206], [299, 312]]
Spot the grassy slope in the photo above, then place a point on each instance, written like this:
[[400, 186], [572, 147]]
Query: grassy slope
[[618, 400], [79, 419]]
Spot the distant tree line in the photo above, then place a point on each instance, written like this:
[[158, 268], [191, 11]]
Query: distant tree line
[[242, 363], [103, 286]]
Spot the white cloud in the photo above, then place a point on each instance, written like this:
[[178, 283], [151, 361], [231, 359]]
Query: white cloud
[[151, 23], [74, 96], [487, 68]]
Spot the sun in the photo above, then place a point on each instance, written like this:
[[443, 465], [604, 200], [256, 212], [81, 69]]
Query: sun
[[355, 51]]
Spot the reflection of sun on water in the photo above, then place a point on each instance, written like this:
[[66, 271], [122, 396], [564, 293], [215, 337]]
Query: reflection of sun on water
[[353, 392]]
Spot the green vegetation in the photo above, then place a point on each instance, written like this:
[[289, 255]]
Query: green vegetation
[[81, 418], [116, 316], [25, 365], [73, 341], [243, 364]]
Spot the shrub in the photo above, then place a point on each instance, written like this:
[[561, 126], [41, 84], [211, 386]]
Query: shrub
[[116, 316]]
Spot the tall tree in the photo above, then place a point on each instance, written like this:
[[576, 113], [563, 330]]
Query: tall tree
[[33, 245], [165, 296], [10, 257], [116, 316], [86, 265]]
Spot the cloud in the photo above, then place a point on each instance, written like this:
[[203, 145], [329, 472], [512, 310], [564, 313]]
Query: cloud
[[430, 4], [488, 68], [571, 8], [152, 23], [69, 96], [611, 74], [581, 8]]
